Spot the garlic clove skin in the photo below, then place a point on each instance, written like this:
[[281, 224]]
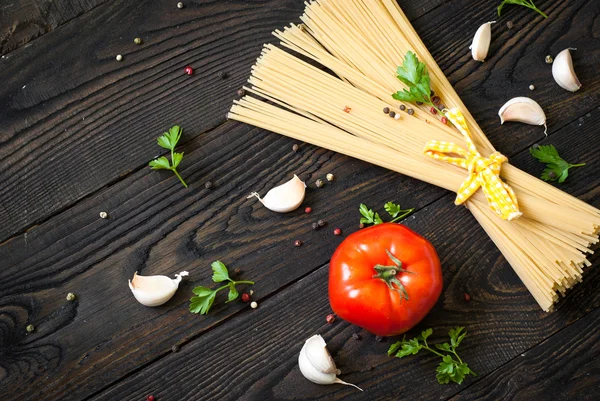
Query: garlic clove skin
[[317, 365], [285, 197], [481, 41], [525, 110], [154, 290], [318, 355], [563, 72]]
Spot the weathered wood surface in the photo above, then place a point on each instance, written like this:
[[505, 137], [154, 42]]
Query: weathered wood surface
[[258, 349], [25, 20], [107, 346]]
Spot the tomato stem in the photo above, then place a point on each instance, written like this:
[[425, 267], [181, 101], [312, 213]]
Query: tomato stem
[[388, 275]]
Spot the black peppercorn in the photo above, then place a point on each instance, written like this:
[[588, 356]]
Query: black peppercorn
[[419, 103], [392, 114], [410, 112], [356, 336], [402, 107], [208, 185], [386, 110], [241, 92], [315, 226], [321, 223]]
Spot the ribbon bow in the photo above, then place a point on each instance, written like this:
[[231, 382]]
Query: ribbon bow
[[483, 172]]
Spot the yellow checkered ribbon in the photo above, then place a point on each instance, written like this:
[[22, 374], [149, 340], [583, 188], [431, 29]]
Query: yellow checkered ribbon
[[483, 172]]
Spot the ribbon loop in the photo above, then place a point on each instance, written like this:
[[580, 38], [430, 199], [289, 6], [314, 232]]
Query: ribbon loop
[[483, 172]]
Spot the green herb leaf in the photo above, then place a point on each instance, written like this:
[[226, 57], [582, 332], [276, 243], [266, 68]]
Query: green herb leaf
[[233, 293], [168, 140], [410, 347], [557, 169], [444, 347], [205, 297], [396, 211], [426, 333], [160, 163], [394, 347], [454, 334], [415, 76], [220, 272], [449, 369], [369, 217], [202, 291], [177, 157], [202, 304], [524, 3]]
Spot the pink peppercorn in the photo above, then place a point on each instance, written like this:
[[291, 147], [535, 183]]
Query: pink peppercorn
[[433, 110], [337, 231], [150, 398], [245, 297], [330, 318], [189, 70], [308, 210], [444, 120]]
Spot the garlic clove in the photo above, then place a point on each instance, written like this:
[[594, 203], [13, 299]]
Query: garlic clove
[[154, 290], [285, 197], [525, 110], [563, 72], [318, 355], [481, 41], [316, 363]]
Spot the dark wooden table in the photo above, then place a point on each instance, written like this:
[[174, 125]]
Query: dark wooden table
[[77, 129]]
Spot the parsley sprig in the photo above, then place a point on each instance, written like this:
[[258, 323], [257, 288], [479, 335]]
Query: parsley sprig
[[414, 74], [557, 169], [524, 3], [205, 297], [168, 140], [451, 368], [393, 209]]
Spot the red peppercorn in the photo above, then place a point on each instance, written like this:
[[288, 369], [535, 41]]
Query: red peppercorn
[[308, 210], [433, 110], [245, 297], [444, 120], [330, 318], [150, 398], [337, 231], [297, 243], [188, 70]]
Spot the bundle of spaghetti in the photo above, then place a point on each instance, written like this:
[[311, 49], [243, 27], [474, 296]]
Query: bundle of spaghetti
[[362, 42]]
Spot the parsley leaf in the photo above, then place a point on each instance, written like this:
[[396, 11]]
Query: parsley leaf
[[451, 368], [557, 169], [168, 140], [220, 272], [393, 209], [524, 3], [205, 296], [369, 217], [415, 76]]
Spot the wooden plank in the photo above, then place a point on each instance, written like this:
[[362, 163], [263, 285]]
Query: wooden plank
[[66, 101], [22, 21], [254, 356], [516, 59], [564, 367], [158, 227]]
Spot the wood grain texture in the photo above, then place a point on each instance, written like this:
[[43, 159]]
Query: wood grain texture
[[21, 21], [156, 226], [254, 356], [564, 367], [502, 315], [67, 102], [68, 109]]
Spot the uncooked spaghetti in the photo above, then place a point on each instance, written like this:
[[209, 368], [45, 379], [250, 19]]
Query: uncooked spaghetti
[[362, 42]]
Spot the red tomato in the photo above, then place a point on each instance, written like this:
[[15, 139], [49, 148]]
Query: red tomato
[[367, 286]]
